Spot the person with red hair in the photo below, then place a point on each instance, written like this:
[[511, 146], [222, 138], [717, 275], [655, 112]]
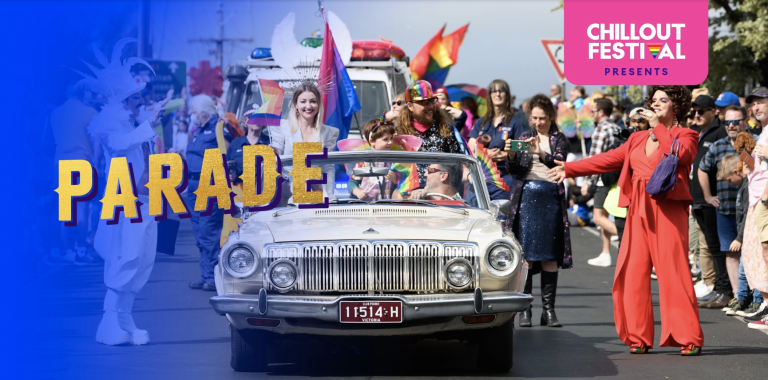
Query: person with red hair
[[656, 231]]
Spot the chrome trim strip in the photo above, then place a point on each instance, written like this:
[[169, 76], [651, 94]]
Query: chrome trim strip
[[326, 308]]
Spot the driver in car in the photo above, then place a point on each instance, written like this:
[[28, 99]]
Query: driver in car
[[443, 183]]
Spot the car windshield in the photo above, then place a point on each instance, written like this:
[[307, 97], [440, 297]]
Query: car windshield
[[373, 96], [396, 177]]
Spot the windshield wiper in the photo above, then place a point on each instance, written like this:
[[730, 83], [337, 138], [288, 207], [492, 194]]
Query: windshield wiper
[[346, 201], [422, 202], [417, 201]]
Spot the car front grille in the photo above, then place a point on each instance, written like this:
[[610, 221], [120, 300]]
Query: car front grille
[[371, 266]]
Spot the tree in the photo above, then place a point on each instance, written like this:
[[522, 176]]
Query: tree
[[738, 46]]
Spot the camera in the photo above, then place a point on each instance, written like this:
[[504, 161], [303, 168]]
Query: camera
[[625, 133]]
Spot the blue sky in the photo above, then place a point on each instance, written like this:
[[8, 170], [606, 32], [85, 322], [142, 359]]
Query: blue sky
[[503, 40]]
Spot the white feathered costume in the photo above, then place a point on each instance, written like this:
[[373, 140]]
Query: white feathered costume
[[128, 249]]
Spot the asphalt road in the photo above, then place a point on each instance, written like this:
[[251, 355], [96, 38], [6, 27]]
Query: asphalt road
[[189, 341]]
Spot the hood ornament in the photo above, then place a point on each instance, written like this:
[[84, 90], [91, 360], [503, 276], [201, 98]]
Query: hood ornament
[[370, 231]]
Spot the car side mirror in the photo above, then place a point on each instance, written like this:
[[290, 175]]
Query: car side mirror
[[501, 207]]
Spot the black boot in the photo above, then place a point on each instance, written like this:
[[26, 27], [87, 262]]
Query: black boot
[[525, 316], [548, 292]]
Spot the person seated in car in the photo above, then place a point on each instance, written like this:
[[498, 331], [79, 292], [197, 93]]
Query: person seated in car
[[443, 183]]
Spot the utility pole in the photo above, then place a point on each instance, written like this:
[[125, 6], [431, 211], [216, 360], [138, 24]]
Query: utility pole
[[219, 40], [145, 48]]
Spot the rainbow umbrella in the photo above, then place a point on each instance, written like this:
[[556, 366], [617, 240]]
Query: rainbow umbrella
[[456, 92]]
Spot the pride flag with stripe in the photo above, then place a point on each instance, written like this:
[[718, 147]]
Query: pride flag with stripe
[[491, 172], [340, 102], [407, 177], [272, 102], [436, 57]]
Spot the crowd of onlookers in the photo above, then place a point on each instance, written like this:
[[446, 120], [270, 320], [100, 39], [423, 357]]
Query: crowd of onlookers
[[727, 182], [726, 240]]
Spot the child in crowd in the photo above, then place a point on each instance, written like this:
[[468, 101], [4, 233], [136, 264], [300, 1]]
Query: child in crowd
[[380, 135], [578, 210]]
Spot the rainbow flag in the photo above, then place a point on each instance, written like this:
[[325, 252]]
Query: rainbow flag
[[272, 102], [407, 177], [340, 101], [655, 49], [436, 57], [490, 170]]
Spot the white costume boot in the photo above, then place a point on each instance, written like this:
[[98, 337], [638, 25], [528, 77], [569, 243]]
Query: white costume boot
[[109, 331], [138, 337]]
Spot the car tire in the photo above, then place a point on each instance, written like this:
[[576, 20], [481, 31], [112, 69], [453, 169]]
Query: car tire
[[249, 350], [495, 348]]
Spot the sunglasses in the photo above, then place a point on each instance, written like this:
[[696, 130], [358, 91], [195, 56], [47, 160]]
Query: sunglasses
[[432, 170], [425, 102], [700, 111], [733, 122], [639, 120], [397, 103]]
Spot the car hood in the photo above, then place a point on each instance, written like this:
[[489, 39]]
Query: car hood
[[371, 228]]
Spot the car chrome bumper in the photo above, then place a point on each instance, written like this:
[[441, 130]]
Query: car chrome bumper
[[326, 308]]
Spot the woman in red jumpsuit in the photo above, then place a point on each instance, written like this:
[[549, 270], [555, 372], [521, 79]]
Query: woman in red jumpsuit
[[656, 232]]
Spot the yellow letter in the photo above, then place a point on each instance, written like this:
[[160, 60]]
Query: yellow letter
[[271, 181], [165, 191], [75, 185], [304, 177], [120, 192], [214, 166]]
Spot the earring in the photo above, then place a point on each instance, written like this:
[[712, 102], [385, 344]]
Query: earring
[[297, 112]]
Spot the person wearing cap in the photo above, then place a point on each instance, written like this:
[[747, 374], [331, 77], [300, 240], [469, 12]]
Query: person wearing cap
[[637, 121], [723, 199], [724, 100], [501, 123], [712, 259], [421, 118], [754, 250], [254, 135]]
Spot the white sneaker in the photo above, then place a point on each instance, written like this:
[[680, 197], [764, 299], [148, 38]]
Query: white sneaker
[[614, 238], [703, 291], [604, 260]]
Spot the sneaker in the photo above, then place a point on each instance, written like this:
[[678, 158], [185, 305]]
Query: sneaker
[[759, 325], [736, 306], [614, 238], [706, 298], [753, 307], [56, 259], [83, 258], [604, 260], [730, 305], [758, 315], [704, 294]]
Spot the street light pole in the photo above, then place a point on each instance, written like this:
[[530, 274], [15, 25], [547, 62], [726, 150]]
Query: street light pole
[[219, 40]]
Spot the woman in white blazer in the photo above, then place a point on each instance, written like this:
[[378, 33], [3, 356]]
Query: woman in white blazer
[[305, 124]]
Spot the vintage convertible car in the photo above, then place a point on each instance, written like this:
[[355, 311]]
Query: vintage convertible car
[[439, 268]]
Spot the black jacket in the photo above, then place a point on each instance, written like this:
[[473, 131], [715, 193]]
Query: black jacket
[[715, 132], [742, 206]]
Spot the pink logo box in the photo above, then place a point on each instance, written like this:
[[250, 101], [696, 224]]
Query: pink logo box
[[634, 42]]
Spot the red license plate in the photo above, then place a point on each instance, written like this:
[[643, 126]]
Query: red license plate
[[371, 311]]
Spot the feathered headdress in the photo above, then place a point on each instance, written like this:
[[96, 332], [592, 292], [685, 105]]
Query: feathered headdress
[[115, 80], [306, 72]]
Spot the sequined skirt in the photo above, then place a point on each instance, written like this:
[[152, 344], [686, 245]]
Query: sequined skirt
[[539, 223]]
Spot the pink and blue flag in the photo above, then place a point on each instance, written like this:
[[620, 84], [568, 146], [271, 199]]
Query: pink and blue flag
[[340, 101]]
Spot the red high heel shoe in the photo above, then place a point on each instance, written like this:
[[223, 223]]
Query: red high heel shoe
[[638, 348], [690, 350]]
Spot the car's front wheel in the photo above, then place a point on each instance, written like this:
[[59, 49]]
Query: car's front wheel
[[495, 348], [250, 349]]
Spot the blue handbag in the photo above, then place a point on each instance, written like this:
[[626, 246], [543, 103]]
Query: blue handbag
[[665, 175]]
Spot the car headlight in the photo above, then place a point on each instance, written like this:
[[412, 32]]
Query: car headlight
[[241, 260], [458, 273], [502, 258], [282, 274]]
